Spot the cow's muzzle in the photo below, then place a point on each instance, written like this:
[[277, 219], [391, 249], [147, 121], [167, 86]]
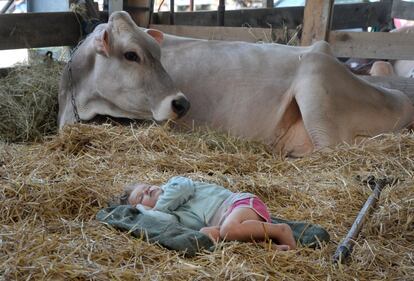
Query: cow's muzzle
[[180, 106]]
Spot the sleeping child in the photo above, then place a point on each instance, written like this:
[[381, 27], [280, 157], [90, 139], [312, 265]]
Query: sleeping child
[[210, 209]]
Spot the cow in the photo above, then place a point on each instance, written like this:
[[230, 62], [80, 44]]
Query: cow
[[295, 99], [116, 71], [403, 68]]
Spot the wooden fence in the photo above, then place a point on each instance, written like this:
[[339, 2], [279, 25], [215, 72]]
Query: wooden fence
[[321, 20], [33, 30]]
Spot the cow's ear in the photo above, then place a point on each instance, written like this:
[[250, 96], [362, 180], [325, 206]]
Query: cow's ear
[[102, 43], [156, 34]]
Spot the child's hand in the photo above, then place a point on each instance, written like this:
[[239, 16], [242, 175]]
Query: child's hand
[[213, 232], [142, 207], [157, 214]]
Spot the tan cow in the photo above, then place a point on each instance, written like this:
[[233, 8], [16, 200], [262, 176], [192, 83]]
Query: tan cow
[[295, 99]]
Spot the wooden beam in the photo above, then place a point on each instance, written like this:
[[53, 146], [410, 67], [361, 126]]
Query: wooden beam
[[33, 30], [345, 16], [291, 17], [317, 21], [362, 15], [374, 45], [225, 33]]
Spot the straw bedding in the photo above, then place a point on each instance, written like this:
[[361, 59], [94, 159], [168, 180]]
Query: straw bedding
[[51, 191], [28, 101]]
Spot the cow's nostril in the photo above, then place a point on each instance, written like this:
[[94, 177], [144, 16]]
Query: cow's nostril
[[180, 106]]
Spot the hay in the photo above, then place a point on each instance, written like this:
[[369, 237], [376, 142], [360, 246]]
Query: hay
[[28, 102], [50, 193]]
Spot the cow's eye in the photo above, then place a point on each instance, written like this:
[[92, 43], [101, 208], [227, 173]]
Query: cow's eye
[[132, 56]]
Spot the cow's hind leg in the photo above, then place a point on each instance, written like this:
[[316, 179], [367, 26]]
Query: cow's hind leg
[[337, 106], [318, 116], [295, 141]]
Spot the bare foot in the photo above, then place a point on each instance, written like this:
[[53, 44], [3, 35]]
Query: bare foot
[[287, 239]]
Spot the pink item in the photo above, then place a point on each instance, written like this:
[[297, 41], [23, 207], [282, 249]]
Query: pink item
[[402, 22], [397, 23], [253, 203]]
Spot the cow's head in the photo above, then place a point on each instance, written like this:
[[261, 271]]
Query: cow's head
[[116, 71]]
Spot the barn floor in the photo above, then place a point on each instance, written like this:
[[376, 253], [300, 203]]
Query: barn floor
[[50, 193]]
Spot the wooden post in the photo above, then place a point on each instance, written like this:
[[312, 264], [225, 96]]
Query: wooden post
[[220, 12], [316, 21], [115, 5], [92, 9], [140, 11], [172, 10], [267, 3]]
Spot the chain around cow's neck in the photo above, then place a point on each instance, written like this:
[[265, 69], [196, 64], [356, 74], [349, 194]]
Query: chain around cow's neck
[[72, 92]]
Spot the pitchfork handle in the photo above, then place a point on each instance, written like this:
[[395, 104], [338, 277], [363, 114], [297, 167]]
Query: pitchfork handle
[[345, 248]]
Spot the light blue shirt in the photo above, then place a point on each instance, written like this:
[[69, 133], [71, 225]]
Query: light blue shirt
[[192, 203]]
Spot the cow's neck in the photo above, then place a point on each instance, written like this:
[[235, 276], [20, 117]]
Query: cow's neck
[[84, 95], [81, 84]]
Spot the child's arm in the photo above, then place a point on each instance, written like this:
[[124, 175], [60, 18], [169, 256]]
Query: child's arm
[[158, 214], [177, 191]]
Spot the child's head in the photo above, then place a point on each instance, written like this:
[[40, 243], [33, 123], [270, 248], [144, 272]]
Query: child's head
[[141, 193]]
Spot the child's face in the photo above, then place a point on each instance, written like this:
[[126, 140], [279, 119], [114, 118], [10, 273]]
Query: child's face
[[145, 194]]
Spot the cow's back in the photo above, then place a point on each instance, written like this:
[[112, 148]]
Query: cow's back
[[231, 84]]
